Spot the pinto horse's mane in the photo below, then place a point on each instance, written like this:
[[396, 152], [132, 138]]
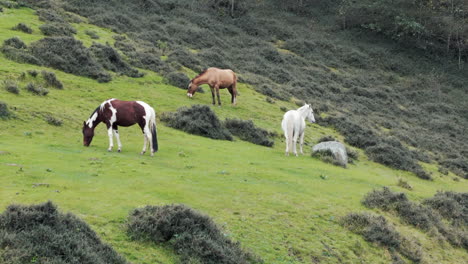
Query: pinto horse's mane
[[97, 108]]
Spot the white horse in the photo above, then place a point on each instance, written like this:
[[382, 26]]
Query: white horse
[[294, 125]]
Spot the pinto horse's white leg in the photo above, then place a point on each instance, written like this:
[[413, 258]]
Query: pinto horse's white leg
[[111, 142], [117, 136], [145, 142], [302, 142]]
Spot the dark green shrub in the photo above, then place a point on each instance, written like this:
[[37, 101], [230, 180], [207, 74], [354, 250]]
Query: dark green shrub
[[92, 34], [417, 215], [57, 29], [193, 235], [327, 156], [23, 27], [33, 73], [377, 229], [51, 80], [111, 60], [458, 165], [11, 86], [4, 112], [15, 42], [50, 15], [246, 130], [53, 121], [404, 184], [68, 55], [36, 89], [178, 79], [326, 138], [40, 234], [451, 205], [199, 120]]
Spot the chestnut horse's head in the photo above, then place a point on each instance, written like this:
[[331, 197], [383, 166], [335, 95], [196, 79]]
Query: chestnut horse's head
[[192, 88], [88, 134]]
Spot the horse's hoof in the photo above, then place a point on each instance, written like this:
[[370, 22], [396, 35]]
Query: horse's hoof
[[152, 154], [118, 150], [142, 153]]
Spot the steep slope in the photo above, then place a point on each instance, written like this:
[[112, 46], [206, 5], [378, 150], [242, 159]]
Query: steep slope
[[284, 209]]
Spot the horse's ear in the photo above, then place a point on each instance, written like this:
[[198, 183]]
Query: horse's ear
[[84, 123]]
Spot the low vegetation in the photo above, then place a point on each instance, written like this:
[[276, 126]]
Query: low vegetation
[[41, 234], [199, 120], [36, 89], [417, 215], [11, 86], [4, 111], [57, 29], [194, 236], [23, 27], [51, 80], [377, 229], [246, 130]]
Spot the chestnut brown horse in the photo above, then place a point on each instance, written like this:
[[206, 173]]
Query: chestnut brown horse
[[116, 113], [216, 79]]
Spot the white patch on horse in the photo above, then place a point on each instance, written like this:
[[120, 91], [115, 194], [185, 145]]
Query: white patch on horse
[[91, 120], [149, 116]]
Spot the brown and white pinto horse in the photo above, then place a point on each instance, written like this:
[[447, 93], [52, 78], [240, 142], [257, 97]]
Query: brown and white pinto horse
[[116, 113], [216, 79]]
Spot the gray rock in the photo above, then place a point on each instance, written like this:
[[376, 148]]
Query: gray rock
[[337, 149]]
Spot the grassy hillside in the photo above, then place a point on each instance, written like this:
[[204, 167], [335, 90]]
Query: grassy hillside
[[284, 209]]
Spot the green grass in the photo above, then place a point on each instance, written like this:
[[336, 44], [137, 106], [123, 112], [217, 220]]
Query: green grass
[[277, 206]]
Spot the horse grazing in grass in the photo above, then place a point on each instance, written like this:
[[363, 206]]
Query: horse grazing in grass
[[116, 113], [293, 125], [216, 79]]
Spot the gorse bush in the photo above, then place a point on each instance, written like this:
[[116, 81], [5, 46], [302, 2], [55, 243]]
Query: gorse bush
[[33, 73], [11, 86], [57, 29], [15, 42], [4, 111], [15, 49], [451, 205], [51, 80], [69, 55], [377, 229], [193, 235], [246, 130], [417, 215], [199, 120], [41, 234], [36, 89], [23, 27], [111, 60], [178, 79], [92, 34]]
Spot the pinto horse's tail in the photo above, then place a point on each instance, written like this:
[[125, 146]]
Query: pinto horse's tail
[[154, 134]]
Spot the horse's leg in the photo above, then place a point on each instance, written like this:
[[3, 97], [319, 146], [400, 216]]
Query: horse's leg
[[117, 136], [111, 142], [145, 137], [217, 95], [294, 141], [302, 141], [213, 94], [149, 138]]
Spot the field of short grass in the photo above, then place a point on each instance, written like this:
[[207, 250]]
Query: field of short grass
[[284, 209]]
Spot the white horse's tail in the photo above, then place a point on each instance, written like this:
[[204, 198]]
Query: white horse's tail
[[152, 127], [288, 129]]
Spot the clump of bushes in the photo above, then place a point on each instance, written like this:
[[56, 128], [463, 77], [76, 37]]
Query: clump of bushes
[[377, 229], [69, 55], [199, 120], [178, 79], [111, 60], [417, 215], [57, 29], [404, 184], [53, 120], [41, 234], [4, 112], [451, 205], [92, 34], [193, 235], [326, 138], [15, 42], [246, 130], [23, 27], [15, 49], [327, 156], [51, 80], [36, 89], [33, 73], [11, 86]]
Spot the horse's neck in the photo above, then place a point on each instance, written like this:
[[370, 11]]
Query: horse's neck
[[302, 112], [200, 80]]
